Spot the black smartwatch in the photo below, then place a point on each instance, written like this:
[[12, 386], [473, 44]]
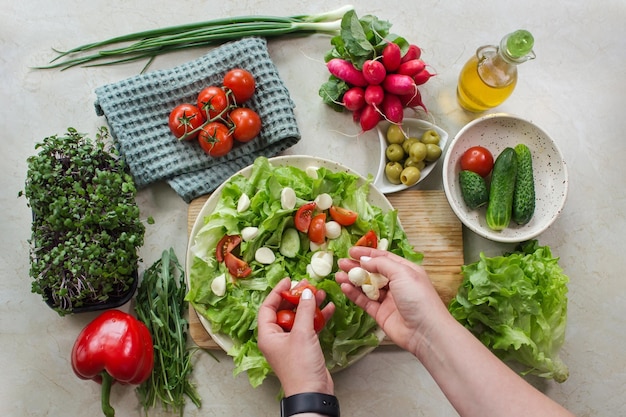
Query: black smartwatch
[[310, 402]]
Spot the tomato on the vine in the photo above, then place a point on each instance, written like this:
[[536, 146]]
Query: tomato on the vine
[[212, 101], [246, 124], [342, 215], [317, 229], [226, 245], [477, 159], [185, 118], [216, 139], [303, 216], [236, 267], [369, 239], [241, 83], [293, 295]]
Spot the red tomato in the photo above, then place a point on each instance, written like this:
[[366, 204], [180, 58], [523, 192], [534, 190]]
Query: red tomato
[[237, 267], [369, 239], [318, 320], [477, 159], [317, 229], [216, 139], [226, 245], [212, 102], [241, 83], [303, 216], [185, 118], [343, 216], [246, 122], [285, 319], [293, 295]]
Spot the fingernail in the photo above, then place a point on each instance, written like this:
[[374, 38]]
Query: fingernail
[[365, 258], [307, 294]]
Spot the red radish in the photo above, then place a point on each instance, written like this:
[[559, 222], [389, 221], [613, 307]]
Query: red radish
[[369, 118], [392, 57], [399, 84], [354, 98], [422, 76], [374, 94], [374, 71], [411, 67], [392, 108], [345, 71], [413, 100], [414, 52]]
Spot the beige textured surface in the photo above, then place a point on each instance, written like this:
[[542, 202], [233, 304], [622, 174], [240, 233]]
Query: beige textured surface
[[575, 90]]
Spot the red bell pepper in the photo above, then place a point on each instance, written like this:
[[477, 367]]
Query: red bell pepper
[[115, 346]]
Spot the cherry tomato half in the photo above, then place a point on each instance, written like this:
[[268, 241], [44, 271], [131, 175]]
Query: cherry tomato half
[[369, 239], [215, 139], [237, 267], [477, 159], [293, 295], [212, 102], [185, 118], [303, 216], [246, 124], [317, 229], [343, 216], [226, 245], [241, 83], [285, 319]]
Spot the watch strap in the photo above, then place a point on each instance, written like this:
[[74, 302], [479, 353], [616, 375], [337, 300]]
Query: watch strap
[[310, 402]]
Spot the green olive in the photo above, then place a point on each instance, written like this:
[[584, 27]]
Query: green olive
[[406, 145], [418, 151], [433, 152], [431, 136], [410, 162], [394, 152], [410, 176], [393, 170], [395, 134]]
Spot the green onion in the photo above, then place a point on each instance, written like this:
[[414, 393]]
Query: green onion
[[151, 43], [161, 306]]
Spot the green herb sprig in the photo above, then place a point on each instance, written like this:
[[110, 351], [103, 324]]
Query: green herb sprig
[[161, 305]]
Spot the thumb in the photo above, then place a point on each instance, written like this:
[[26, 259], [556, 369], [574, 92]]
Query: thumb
[[305, 311]]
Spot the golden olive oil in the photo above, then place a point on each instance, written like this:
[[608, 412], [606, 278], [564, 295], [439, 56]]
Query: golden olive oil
[[476, 95]]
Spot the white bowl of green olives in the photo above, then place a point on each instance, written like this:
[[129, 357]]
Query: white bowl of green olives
[[409, 152]]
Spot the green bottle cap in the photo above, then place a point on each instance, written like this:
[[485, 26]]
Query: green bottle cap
[[519, 44]]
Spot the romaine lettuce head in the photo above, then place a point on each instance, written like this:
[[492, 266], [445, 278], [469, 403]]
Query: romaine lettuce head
[[516, 304]]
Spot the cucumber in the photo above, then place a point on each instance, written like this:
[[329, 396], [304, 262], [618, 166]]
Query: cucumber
[[524, 195], [290, 243], [473, 189], [500, 206]]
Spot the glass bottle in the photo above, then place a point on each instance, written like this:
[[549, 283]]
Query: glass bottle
[[490, 76]]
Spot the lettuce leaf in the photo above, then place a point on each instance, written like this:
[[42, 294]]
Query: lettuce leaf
[[516, 304], [234, 314]]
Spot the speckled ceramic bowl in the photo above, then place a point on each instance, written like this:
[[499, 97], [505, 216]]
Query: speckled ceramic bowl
[[496, 132]]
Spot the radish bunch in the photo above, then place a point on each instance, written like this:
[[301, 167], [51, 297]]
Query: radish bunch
[[384, 85]]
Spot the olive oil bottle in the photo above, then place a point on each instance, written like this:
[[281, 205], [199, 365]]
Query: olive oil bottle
[[489, 77]]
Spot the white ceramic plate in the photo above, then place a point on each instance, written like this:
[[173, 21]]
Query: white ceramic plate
[[299, 161], [414, 128], [496, 132]]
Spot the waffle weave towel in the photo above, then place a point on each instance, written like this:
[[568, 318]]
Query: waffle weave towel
[[137, 111]]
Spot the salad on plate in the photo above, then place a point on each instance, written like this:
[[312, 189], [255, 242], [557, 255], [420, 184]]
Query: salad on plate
[[262, 225]]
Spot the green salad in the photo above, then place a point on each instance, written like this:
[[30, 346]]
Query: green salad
[[232, 309]]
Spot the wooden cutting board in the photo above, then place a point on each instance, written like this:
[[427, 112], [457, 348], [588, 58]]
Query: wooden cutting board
[[431, 227]]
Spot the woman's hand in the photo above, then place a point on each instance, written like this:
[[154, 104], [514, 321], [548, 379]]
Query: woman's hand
[[408, 309], [295, 357]]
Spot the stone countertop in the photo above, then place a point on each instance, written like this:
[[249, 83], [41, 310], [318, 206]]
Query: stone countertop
[[575, 90]]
